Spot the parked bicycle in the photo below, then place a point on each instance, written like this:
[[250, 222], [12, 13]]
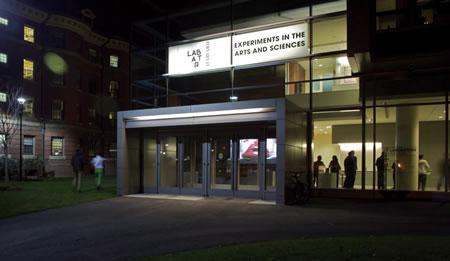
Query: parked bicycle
[[300, 188]]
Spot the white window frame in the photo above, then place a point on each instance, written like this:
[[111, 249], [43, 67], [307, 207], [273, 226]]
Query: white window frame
[[33, 138], [3, 97], [32, 38], [3, 58], [112, 63], [4, 21]]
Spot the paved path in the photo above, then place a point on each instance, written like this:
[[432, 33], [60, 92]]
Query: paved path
[[129, 228]]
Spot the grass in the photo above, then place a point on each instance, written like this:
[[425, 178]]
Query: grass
[[31, 196], [341, 248]]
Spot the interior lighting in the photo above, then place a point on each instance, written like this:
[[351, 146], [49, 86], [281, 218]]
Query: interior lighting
[[201, 114]]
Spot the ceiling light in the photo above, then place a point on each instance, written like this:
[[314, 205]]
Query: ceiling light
[[201, 114], [233, 98]]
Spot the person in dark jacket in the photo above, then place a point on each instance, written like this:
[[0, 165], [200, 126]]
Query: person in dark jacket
[[77, 166], [380, 171], [335, 168], [350, 165]]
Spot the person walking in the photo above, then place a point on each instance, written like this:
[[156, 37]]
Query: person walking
[[317, 167], [350, 165], [424, 172], [335, 168], [98, 163], [77, 166], [380, 171]]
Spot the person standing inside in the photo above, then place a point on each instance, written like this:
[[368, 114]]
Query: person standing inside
[[77, 166], [98, 163], [380, 171], [317, 166], [350, 165], [424, 172], [335, 168]]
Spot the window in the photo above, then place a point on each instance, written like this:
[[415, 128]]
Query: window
[[28, 69], [93, 86], [91, 116], [57, 39], [28, 34], [28, 107], [57, 79], [113, 88], [57, 109], [3, 21], [114, 61], [92, 55], [2, 141], [112, 115], [3, 97], [28, 145], [57, 148], [3, 58]]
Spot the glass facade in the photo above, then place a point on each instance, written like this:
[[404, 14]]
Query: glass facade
[[358, 132]]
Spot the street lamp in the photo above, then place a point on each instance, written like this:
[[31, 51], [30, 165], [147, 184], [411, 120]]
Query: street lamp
[[21, 101]]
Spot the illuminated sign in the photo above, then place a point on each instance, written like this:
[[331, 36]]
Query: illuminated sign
[[265, 46]]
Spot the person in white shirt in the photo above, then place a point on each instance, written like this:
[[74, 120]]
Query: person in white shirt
[[424, 172], [98, 163]]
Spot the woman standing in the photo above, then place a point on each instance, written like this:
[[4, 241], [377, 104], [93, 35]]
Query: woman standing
[[335, 168]]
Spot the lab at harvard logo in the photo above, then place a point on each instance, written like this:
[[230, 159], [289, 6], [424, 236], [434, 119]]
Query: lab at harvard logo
[[196, 55]]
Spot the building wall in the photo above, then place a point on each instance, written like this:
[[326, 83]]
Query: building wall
[[69, 39]]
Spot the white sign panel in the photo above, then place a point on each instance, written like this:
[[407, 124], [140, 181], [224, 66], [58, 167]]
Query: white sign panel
[[251, 48], [200, 56], [271, 45]]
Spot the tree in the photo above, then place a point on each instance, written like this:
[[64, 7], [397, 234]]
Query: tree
[[9, 121]]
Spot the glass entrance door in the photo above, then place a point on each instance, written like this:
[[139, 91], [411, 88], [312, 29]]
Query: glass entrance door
[[248, 165], [190, 166]]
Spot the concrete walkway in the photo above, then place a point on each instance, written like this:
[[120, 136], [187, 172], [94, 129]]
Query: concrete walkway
[[128, 228]]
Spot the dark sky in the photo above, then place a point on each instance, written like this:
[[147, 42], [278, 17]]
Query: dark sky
[[112, 16]]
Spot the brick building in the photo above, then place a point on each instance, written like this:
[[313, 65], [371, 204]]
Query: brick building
[[73, 79]]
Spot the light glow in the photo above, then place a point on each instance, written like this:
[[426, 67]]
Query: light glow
[[21, 100], [357, 146], [200, 114]]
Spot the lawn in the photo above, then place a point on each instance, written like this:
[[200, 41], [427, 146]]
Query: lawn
[[342, 248], [31, 196]]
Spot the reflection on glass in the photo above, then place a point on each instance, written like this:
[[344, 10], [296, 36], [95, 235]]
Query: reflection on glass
[[330, 35], [248, 164], [168, 165], [271, 164], [221, 164], [192, 163]]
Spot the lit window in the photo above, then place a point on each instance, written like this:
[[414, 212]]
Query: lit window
[[28, 107], [28, 145], [3, 21], [57, 109], [3, 97], [2, 140], [112, 115], [57, 148], [28, 34], [113, 88], [114, 61], [28, 69], [3, 58]]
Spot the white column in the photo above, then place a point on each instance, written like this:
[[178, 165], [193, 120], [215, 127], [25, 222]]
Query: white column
[[407, 147]]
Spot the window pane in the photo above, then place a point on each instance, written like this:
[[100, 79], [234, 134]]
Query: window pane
[[57, 146], [28, 69], [28, 145], [114, 61], [328, 7], [28, 34], [3, 21], [113, 88], [28, 107], [248, 164], [3, 58], [330, 34], [3, 97]]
